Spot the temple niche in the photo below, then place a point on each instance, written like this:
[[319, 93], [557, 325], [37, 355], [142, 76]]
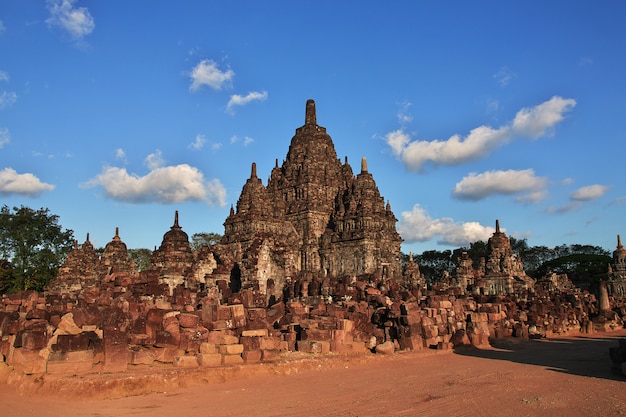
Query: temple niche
[[315, 220], [616, 284]]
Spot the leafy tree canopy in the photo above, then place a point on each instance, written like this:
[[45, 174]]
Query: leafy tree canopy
[[32, 247], [199, 240], [141, 257]]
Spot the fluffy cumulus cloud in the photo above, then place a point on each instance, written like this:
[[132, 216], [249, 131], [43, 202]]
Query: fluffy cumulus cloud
[[417, 226], [163, 184], [76, 21], [238, 100], [22, 184], [533, 122], [207, 73], [590, 192], [540, 120], [476, 187]]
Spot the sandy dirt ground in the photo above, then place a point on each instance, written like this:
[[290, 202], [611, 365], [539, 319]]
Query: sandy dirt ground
[[568, 376]]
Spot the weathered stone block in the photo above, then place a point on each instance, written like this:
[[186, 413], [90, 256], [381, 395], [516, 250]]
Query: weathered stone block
[[230, 349], [252, 356], [209, 359], [27, 361], [222, 338], [70, 362], [206, 347], [187, 320], [116, 353], [257, 332], [143, 356], [186, 361], [232, 360]]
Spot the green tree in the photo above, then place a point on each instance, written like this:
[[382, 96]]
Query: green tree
[[34, 244], [141, 257], [433, 263], [199, 240]]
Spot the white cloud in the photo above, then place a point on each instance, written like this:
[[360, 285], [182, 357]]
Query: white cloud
[[537, 121], [207, 73], [24, 184], [247, 140], [532, 197], [169, 184], [532, 122], [5, 137], [504, 76], [7, 99], [404, 116], [216, 146], [120, 154], [417, 226], [590, 192], [4, 76], [198, 143], [154, 160], [565, 208], [478, 186], [237, 100], [77, 21]]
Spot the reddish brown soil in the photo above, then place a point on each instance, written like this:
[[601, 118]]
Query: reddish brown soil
[[567, 376]]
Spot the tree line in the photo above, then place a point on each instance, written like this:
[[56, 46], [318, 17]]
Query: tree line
[[584, 264]]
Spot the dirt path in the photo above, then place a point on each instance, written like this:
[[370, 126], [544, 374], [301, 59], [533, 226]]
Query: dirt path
[[559, 377]]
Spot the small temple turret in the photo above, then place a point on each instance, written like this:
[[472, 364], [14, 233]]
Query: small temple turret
[[310, 117]]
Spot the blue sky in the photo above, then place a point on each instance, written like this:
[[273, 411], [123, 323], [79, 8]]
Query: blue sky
[[117, 113]]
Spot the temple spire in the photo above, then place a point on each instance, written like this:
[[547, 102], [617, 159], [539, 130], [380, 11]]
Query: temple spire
[[497, 226], [87, 240], [253, 173], [310, 118], [619, 242], [363, 165], [176, 226], [117, 234]]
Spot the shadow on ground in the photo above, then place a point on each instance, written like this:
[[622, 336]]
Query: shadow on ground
[[582, 355]]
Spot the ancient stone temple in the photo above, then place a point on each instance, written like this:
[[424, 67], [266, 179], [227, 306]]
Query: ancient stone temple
[[616, 284], [314, 220], [503, 271], [173, 259]]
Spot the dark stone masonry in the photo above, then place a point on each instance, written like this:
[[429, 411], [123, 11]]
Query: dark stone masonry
[[309, 262]]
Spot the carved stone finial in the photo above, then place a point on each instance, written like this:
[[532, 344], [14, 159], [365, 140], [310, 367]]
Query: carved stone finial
[[253, 173], [117, 234], [232, 210], [87, 240], [176, 226], [310, 118], [497, 226], [619, 242], [363, 165], [276, 166]]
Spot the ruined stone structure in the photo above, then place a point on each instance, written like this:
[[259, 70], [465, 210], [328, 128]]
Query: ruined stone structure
[[315, 220], [617, 271], [500, 273], [309, 263]]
